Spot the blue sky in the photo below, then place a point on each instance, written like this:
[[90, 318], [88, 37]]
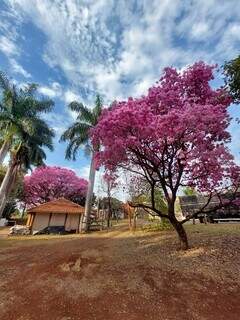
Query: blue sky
[[75, 48]]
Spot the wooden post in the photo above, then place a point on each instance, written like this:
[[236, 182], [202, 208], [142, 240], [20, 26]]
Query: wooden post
[[33, 218], [29, 220], [79, 220], [49, 219], [65, 220]]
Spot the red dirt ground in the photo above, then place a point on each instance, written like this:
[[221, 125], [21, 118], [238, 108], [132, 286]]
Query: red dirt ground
[[120, 276]]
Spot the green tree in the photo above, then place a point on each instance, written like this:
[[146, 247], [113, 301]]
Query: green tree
[[78, 135], [23, 155], [231, 70], [20, 111], [16, 193], [21, 130], [188, 191]]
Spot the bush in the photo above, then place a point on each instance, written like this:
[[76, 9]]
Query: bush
[[162, 225]]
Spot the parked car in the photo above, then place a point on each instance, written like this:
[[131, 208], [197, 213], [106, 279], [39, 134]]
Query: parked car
[[52, 230]]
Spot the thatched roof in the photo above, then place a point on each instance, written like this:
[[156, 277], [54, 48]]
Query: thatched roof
[[58, 206]]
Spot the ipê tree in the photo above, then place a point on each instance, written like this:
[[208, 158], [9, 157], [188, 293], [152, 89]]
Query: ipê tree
[[173, 137], [49, 183]]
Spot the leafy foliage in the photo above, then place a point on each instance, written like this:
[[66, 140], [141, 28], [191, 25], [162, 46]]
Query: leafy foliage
[[50, 183], [163, 225], [20, 111], [189, 191], [174, 136], [78, 134], [116, 204], [231, 70]]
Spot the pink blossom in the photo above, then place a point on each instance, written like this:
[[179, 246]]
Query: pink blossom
[[177, 133], [49, 183]]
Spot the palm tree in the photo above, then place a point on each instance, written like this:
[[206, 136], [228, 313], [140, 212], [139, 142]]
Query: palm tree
[[23, 155], [78, 135], [19, 112]]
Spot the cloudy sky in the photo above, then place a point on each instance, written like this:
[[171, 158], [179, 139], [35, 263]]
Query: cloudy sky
[[76, 48]]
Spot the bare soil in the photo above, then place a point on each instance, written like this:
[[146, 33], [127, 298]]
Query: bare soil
[[118, 275]]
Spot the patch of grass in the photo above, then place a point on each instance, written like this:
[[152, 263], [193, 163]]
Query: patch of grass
[[157, 226]]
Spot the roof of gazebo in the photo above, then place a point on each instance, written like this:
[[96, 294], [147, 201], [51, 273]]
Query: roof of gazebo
[[58, 206]]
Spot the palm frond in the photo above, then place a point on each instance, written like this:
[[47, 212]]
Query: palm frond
[[78, 130], [78, 134], [88, 150], [72, 149], [30, 89], [85, 115], [4, 82], [45, 105], [75, 106], [97, 110]]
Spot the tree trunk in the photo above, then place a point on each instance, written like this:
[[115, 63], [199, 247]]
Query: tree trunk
[[134, 224], [3, 205], [84, 225], [4, 150], [181, 233], [130, 220], [205, 218], [109, 216], [98, 208], [6, 185]]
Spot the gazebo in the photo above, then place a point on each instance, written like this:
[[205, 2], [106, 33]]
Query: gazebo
[[60, 212]]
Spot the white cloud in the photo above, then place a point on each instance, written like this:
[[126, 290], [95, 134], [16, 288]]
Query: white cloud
[[52, 91], [199, 30], [17, 68], [70, 96], [59, 122], [118, 48], [8, 47], [9, 22]]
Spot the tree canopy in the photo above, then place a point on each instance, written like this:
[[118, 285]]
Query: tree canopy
[[231, 70], [49, 183], [175, 136]]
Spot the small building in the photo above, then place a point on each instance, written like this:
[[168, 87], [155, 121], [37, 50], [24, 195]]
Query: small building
[[61, 212]]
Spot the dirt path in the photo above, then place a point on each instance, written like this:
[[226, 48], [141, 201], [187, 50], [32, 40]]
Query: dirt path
[[120, 276]]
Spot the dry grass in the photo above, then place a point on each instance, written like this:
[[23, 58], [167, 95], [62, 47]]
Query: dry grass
[[120, 275]]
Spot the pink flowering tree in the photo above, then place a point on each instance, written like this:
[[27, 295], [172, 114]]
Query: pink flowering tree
[[173, 137], [49, 183]]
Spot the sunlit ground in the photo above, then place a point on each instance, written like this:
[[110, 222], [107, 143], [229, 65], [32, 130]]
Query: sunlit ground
[[117, 274]]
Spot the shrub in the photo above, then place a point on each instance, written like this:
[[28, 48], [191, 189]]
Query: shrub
[[162, 225]]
